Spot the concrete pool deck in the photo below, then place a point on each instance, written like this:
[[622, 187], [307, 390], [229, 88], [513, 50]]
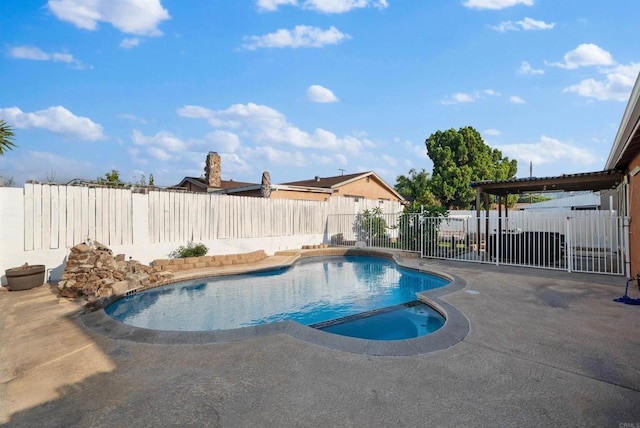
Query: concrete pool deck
[[545, 348]]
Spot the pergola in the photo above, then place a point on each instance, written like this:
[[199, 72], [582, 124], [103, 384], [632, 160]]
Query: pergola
[[593, 181]]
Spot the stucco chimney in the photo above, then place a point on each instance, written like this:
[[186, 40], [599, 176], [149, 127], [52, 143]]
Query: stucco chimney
[[212, 170]]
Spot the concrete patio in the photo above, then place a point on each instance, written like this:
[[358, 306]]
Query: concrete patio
[[545, 348]]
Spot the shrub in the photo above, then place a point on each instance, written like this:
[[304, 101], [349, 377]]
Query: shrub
[[370, 225], [418, 223], [189, 250]]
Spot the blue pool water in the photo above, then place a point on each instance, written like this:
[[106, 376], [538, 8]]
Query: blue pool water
[[310, 292], [413, 319]]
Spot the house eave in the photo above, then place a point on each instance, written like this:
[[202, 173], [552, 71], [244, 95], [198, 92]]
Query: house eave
[[628, 133]]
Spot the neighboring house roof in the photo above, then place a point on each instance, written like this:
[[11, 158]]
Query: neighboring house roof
[[315, 185], [340, 180], [251, 187], [627, 142], [329, 182], [224, 184], [584, 200]]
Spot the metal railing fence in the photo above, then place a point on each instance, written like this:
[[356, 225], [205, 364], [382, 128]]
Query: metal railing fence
[[591, 243]]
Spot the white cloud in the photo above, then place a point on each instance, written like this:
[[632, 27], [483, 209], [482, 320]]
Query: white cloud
[[29, 52], [516, 100], [238, 115], [272, 5], [131, 117], [159, 153], [140, 17], [460, 97], [335, 159], [618, 79], [616, 85], [159, 144], [263, 125], [323, 6], [532, 24], [36, 54], [525, 68], [527, 24], [223, 141], [234, 164], [56, 119], [493, 132], [586, 54], [342, 6], [302, 36], [389, 160], [463, 97], [548, 150], [129, 42], [504, 26], [37, 165], [275, 156], [495, 4], [320, 94], [416, 150]]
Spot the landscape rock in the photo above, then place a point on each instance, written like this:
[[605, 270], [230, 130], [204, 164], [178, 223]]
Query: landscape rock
[[94, 273]]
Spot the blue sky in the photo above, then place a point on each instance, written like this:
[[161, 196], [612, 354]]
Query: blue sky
[[302, 88]]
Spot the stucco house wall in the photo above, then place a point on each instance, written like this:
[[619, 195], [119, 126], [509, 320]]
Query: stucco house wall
[[367, 188], [292, 194]]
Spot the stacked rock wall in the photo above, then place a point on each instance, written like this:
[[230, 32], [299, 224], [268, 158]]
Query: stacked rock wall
[[208, 261], [92, 271]]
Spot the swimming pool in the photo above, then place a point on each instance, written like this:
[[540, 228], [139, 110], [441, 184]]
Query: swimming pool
[[310, 292], [406, 321]]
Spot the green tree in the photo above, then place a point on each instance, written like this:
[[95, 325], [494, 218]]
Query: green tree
[[7, 182], [111, 178], [412, 185], [460, 157], [142, 181], [6, 137], [416, 186]]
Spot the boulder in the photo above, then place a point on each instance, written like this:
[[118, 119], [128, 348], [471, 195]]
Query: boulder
[[93, 272]]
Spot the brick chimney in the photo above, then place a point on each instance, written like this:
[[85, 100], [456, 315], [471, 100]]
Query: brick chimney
[[212, 170]]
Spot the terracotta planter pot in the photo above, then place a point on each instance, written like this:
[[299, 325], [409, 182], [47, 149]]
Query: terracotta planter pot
[[25, 277]]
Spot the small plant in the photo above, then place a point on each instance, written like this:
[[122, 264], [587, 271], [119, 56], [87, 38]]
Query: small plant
[[189, 250], [370, 225]]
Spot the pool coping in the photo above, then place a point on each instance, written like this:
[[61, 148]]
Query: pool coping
[[454, 330]]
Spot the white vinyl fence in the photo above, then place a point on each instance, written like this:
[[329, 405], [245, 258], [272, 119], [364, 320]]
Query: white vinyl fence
[[57, 216], [176, 217], [40, 222], [62, 216]]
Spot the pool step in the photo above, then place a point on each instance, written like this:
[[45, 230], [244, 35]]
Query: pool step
[[348, 318]]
